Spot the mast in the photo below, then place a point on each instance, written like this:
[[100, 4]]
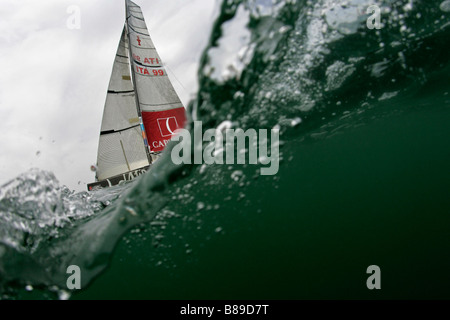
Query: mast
[[133, 77]]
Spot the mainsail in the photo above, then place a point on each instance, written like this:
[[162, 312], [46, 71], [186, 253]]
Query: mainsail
[[161, 108], [141, 102]]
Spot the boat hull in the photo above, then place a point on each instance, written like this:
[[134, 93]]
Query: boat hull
[[115, 180]]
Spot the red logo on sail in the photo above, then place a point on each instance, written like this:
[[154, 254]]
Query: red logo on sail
[[167, 126], [138, 40], [161, 125]]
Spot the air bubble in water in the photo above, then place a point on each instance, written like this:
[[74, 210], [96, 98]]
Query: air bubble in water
[[296, 121], [236, 175], [63, 295], [200, 205]]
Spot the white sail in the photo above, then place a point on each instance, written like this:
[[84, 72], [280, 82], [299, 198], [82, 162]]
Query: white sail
[[161, 109], [121, 146]]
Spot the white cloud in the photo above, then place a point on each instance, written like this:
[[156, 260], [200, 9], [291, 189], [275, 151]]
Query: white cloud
[[54, 80]]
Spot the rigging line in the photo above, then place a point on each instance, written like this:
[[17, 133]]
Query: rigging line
[[173, 73], [163, 21]]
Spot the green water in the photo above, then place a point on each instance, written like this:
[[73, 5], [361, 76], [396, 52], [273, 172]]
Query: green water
[[376, 194]]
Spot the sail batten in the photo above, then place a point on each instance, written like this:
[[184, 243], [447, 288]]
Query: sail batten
[[118, 92], [116, 131]]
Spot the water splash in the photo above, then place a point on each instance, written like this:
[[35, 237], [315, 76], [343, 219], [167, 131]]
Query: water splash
[[45, 228]]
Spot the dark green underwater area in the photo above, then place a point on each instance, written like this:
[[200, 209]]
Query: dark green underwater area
[[363, 179]]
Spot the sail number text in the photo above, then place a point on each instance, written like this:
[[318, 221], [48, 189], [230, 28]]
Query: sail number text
[[144, 71]]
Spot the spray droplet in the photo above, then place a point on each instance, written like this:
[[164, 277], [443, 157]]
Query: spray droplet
[[445, 6]]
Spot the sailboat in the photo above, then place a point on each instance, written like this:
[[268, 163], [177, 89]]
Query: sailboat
[[142, 109]]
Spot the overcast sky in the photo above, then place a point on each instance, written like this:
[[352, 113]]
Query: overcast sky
[[53, 79]]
